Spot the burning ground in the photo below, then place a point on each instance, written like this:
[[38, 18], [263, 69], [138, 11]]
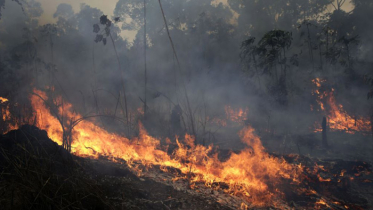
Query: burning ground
[[146, 172]]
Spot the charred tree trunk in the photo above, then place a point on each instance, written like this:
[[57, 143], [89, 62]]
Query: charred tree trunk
[[67, 140], [324, 130], [67, 136]]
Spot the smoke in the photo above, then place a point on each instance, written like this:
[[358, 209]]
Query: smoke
[[208, 44]]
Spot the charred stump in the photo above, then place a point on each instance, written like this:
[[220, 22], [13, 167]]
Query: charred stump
[[324, 130]]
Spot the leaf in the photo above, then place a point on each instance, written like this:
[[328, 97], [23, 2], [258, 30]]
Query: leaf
[[96, 28], [103, 19], [99, 38], [108, 23], [107, 31], [117, 19]]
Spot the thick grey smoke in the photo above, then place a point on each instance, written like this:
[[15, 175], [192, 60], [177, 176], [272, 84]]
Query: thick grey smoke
[[207, 39]]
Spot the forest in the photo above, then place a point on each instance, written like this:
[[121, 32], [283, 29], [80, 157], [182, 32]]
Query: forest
[[186, 104]]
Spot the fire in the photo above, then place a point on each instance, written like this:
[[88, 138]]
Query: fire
[[140, 110], [338, 119], [321, 202], [3, 100], [6, 113], [252, 173], [244, 206], [321, 179], [220, 122], [343, 172], [238, 115], [316, 171], [7, 116], [233, 117]]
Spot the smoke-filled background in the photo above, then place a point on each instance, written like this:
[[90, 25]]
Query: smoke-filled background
[[211, 66]]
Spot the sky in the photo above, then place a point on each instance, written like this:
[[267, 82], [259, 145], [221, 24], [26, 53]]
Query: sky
[[50, 6], [107, 6]]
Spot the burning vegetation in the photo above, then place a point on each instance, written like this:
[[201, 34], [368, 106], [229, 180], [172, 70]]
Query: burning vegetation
[[239, 115], [252, 173], [337, 118], [251, 177], [198, 104]]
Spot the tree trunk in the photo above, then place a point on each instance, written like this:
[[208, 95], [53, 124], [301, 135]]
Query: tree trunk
[[321, 65], [122, 83], [310, 47]]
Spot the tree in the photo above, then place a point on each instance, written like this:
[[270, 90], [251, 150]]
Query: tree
[[66, 18], [258, 17], [309, 41], [102, 35], [201, 33], [2, 4]]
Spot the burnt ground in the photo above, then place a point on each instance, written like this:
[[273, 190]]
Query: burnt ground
[[36, 173], [127, 191]]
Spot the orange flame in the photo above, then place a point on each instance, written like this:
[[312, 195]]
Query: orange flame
[[7, 116], [3, 100], [6, 113], [252, 173], [239, 115], [321, 202], [338, 118]]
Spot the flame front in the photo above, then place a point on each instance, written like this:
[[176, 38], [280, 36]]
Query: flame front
[[251, 173], [338, 118]]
